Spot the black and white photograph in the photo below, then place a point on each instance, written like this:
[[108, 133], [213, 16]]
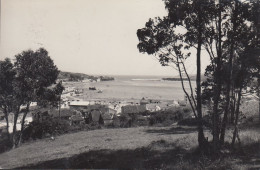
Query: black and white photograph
[[130, 84]]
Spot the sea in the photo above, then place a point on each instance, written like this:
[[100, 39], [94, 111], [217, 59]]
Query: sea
[[138, 87]]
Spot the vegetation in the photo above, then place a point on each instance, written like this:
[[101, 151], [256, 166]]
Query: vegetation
[[228, 31], [29, 79], [75, 76], [134, 148], [69, 76]]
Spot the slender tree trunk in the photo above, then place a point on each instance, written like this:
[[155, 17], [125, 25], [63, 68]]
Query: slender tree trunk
[[14, 140], [233, 105], [235, 133], [230, 68], [7, 122], [191, 89], [183, 88], [201, 137], [258, 93], [217, 90], [59, 106], [22, 125]]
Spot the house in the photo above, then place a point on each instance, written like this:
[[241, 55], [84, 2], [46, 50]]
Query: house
[[130, 109], [108, 118], [76, 118], [68, 90], [77, 105], [182, 102], [96, 116], [108, 115], [64, 114], [153, 107], [144, 101], [101, 114]]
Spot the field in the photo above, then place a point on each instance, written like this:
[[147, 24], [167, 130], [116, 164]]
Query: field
[[133, 148]]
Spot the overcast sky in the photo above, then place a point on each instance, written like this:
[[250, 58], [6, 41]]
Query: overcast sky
[[88, 36]]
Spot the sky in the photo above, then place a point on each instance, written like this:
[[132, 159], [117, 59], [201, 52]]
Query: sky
[[95, 37]]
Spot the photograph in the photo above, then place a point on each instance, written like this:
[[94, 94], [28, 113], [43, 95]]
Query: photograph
[[130, 84]]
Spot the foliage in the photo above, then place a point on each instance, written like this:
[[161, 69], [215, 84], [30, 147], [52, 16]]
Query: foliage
[[227, 30], [7, 76], [29, 79], [168, 117], [46, 128]]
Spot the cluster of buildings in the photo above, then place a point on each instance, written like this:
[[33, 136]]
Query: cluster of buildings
[[76, 110]]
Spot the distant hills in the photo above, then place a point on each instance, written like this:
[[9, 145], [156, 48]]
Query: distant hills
[[69, 76]]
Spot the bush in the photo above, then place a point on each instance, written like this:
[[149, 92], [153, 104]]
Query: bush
[[194, 122], [125, 120], [169, 117], [46, 128], [5, 143]]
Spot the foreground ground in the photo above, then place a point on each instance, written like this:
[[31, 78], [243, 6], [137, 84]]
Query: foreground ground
[[134, 148]]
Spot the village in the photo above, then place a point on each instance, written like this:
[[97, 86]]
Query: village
[[76, 110]]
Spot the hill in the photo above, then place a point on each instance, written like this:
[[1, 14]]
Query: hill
[[81, 76]]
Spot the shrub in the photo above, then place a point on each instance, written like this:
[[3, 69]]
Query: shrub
[[194, 122], [169, 117], [46, 128], [125, 120]]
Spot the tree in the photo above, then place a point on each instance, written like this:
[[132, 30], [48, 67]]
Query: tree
[[35, 73], [161, 38], [7, 75], [222, 28]]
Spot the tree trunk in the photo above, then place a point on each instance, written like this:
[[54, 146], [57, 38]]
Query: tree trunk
[[59, 106], [201, 137], [235, 133], [217, 90], [22, 125], [7, 122], [183, 88], [258, 93], [233, 105], [230, 68], [14, 140]]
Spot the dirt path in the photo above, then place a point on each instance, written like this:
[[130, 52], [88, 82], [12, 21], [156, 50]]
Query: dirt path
[[82, 142]]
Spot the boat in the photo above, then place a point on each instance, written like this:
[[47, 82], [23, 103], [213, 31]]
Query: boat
[[92, 88]]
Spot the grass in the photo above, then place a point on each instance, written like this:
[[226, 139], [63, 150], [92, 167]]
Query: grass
[[173, 147], [132, 148], [77, 143]]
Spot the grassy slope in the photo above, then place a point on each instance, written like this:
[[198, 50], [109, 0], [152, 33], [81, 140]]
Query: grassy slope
[[133, 148], [76, 143]]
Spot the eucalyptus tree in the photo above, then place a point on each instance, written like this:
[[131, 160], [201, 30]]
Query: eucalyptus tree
[[7, 75], [162, 38], [35, 71]]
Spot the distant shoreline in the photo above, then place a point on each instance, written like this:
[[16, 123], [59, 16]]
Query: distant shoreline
[[176, 79]]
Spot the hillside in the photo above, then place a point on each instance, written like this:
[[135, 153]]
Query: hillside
[[81, 76], [130, 148], [70, 146]]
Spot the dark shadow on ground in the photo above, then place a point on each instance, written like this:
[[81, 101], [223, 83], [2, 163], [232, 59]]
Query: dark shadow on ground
[[5, 143], [174, 130], [158, 155], [250, 155], [140, 158]]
